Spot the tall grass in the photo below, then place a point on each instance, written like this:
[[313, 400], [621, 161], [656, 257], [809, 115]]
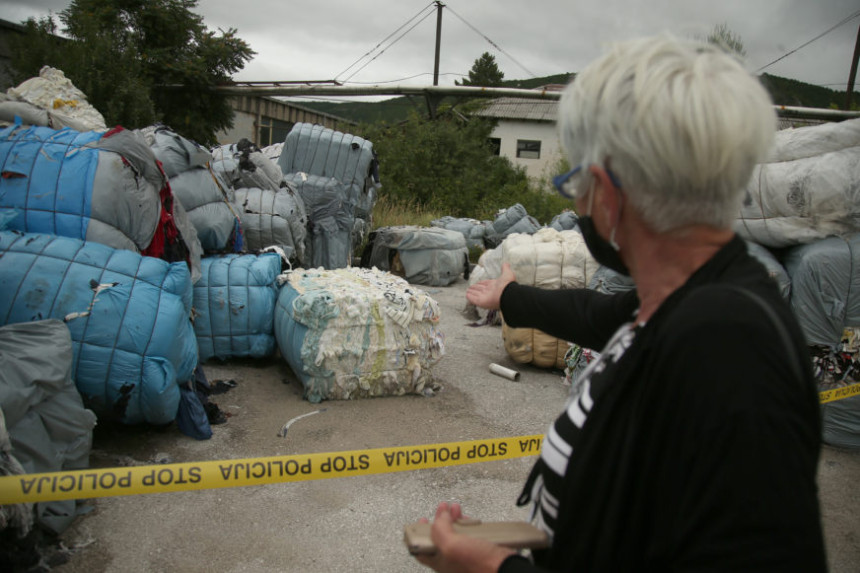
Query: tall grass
[[391, 212]]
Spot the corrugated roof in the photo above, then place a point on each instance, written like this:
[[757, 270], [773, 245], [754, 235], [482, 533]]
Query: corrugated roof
[[521, 109]]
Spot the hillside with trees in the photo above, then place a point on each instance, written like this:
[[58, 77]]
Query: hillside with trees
[[784, 91]]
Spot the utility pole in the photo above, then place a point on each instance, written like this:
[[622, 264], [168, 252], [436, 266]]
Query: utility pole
[[853, 73], [439, 7]]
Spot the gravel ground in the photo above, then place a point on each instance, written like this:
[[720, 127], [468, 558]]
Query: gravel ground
[[355, 523]]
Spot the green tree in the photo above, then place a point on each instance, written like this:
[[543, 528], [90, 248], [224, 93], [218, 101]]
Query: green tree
[[140, 62], [723, 37], [485, 73], [447, 165]]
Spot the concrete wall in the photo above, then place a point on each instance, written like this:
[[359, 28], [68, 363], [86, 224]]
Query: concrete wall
[[510, 131]]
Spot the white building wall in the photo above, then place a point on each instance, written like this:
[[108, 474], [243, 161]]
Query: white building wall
[[509, 131], [243, 126]]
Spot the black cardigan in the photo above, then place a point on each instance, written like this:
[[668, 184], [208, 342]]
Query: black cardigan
[[701, 455]]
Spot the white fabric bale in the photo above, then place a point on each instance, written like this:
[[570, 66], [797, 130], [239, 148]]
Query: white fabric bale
[[354, 333], [54, 92], [548, 259], [808, 191]]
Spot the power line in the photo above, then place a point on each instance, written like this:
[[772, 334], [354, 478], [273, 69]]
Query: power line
[[821, 35], [389, 45], [406, 78], [492, 43], [386, 39]]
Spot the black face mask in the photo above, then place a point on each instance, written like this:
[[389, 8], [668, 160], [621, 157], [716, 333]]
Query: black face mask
[[601, 249]]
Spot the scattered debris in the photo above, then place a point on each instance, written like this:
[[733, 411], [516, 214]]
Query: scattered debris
[[285, 429]]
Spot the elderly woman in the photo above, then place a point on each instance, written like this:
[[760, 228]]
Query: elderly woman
[[694, 440]]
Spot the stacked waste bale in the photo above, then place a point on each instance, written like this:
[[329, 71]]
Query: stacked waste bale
[[565, 221], [104, 187], [473, 231], [514, 219], [825, 297], [354, 333], [207, 200], [234, 306], [128, 315], [429, 256], [50, 100], [273, 213], [336, 174], [807, 188], [548, 259], [49, 430]]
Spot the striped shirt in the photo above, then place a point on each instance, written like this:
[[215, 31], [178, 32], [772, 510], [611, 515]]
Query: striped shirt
[[561, 438]]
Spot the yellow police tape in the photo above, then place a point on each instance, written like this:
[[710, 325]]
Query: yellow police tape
[[839, 393], [82, 484]]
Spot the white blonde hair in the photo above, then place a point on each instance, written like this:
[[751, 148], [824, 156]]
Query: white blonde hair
[[681, 124]]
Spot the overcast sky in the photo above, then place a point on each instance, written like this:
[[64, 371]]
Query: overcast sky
[[320, 39]]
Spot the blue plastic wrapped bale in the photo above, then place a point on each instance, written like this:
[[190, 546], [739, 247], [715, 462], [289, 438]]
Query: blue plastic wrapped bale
[[104, 187], [66, 183], [234, 304], [825, 287], [129, 318], [353, 333]]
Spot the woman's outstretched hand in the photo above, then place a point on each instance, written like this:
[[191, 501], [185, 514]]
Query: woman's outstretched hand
[[488, 294], [458, 553]]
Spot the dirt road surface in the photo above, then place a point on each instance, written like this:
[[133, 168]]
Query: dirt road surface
[[353, 524]]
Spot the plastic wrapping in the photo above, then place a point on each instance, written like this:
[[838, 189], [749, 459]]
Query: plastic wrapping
[[429, 256], [48, 426], [547, 259], [234, 304], [274, 218], [808, 190], [354, 333], [129, 318]]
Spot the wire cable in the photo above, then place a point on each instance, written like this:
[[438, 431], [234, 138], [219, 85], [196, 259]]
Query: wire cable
[[403, 79], [492, 43], [386, 38], [821, 35], [388, 46]]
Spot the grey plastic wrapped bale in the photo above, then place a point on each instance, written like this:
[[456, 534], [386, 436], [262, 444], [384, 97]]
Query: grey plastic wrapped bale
[[49, 428], [825, 287], [273, 218], [358, 333], [841, 423], [774, 268], [473, 230], [331, 222], [176, 153], [807, 189], [242, 165], [210, 206], [607, 281], [512, 220], [95, 186], [565, 221], [318, 150], [429, 256]]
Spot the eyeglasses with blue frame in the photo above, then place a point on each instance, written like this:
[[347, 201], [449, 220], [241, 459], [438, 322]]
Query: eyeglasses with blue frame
[[565, 186]]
